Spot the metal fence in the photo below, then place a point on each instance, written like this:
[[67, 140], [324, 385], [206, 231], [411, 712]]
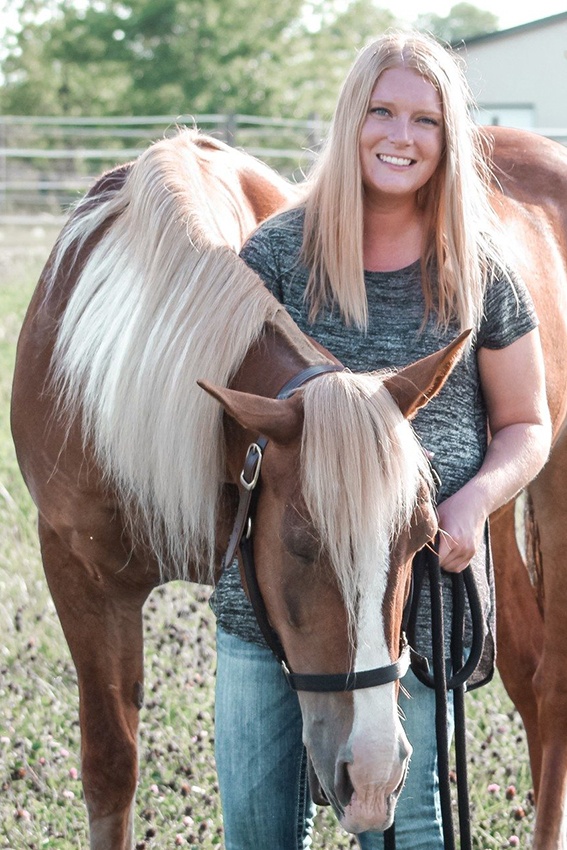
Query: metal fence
[[47, 163]]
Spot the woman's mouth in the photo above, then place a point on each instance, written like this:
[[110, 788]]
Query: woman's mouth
[[395, 160]]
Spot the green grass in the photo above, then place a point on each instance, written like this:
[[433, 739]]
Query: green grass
[[41, 803]]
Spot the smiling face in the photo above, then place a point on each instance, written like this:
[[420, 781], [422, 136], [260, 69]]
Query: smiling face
[[402, 137]]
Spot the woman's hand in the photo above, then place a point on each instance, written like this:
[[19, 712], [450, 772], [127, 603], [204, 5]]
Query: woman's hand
[[461, 527], [513, 385]]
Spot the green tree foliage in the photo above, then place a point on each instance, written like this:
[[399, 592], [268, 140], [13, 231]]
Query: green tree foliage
[[149, 56], [155, 57], [174, 57], [463, 21], [329, 50]]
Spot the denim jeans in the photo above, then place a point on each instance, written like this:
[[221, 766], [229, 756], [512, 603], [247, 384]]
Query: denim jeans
[[261, 761]]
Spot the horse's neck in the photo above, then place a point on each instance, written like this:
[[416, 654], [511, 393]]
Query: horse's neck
[[265, 190], [281, 352]]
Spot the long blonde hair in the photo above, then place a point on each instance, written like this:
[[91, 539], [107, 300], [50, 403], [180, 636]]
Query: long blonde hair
[[460, 242]]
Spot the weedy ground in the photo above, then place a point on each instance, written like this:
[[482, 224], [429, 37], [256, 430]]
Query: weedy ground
[[41, 803]]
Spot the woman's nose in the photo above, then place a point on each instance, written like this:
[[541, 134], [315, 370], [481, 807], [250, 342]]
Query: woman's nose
[[400, 132]]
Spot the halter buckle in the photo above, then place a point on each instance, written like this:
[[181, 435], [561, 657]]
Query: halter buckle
[[252, 466]]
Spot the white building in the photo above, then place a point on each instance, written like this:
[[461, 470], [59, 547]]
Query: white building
[[519, 75]]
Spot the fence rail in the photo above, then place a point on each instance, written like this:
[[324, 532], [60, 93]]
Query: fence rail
[[47, 163]]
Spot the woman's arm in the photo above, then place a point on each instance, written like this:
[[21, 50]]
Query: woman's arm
[[513, 384]]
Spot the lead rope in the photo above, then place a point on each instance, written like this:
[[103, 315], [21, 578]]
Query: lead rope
[[462, 584]]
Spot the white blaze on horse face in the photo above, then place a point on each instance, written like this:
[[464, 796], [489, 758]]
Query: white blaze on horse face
[[378, 750]]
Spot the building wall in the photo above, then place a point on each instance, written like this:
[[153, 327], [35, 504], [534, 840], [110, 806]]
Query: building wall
[[519, 76]]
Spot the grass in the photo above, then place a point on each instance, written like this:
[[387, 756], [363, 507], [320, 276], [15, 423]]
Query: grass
[[41, 803]]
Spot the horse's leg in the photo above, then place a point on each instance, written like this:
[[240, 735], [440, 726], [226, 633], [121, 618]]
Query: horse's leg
[[101, 617], [519, 631], [549, 494]]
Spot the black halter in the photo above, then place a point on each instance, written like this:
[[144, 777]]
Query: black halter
[[242, 537]]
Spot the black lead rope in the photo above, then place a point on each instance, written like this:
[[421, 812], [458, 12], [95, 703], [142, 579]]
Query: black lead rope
[[463, 586], [459, 712]]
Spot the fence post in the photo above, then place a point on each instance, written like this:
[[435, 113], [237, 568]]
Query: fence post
[[314, 135], [230, 129], [3, 166]]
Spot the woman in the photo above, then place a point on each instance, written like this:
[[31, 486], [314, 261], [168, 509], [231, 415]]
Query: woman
[[392, 251]]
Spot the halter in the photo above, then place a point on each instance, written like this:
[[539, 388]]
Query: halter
[[241, 537]]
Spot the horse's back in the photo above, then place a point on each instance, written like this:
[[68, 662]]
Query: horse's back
[[531, 200], [529, 166]]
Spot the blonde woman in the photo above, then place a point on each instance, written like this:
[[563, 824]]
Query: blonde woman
[[392, 251]]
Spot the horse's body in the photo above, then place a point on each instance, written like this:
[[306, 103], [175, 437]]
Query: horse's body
[[123, 455], [531, 616]]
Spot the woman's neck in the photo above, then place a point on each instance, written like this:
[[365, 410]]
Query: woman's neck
[[393, 237]]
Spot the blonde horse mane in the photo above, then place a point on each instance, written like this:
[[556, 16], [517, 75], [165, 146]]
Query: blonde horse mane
[[161, 301], [363, 469]]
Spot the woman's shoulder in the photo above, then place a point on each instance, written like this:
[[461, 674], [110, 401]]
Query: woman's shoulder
[[288, 223], [275, 239], [274, 248], [509, 310]]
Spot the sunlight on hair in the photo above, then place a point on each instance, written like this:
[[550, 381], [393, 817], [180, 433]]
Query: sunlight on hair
[[362, 468], [161, 302]]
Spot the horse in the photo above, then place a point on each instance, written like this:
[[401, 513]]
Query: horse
[[149, 362], [529, 534], [135, 470]]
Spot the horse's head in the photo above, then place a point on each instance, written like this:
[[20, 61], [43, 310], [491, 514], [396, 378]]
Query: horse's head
[[345, 503]]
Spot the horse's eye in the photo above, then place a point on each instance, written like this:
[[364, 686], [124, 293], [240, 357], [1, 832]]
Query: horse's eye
[[302, 545], [303, 557], [300, 539]]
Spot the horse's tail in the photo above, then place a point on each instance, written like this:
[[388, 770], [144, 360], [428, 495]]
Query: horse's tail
[[160, 301]]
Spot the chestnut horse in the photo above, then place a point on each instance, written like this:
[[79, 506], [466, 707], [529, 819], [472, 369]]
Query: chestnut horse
[[531, 588], [135, 469]]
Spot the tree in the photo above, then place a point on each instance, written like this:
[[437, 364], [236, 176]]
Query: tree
[[329, 47], [149, 56], [463, 21], [173, 57]]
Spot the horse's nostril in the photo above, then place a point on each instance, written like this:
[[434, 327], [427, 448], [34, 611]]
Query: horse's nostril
[[344, 788]]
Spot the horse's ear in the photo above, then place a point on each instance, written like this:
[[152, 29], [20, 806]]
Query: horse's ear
[[280, 420], [419, 382]]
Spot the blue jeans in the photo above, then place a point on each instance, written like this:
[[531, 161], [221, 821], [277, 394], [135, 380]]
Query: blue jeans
[[261, 761]]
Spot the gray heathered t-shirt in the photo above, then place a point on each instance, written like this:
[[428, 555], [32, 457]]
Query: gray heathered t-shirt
[[452, 426]]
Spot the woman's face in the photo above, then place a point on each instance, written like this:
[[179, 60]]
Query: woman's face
[[402, 136]]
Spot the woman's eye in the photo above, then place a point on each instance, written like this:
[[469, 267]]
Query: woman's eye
[[431, 121], [379, 110]]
